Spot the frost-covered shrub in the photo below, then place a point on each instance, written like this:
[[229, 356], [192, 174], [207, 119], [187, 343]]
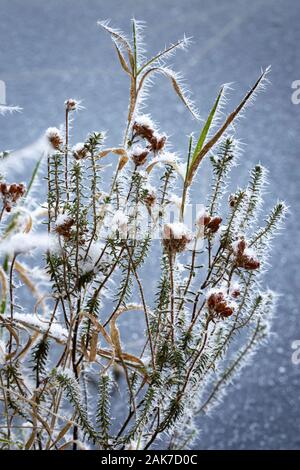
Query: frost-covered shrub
[[70, 375]]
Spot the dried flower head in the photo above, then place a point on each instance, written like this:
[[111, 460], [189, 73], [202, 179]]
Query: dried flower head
[[143, 131], [139, 155], [203, 218], [211, 224], [119, 223], [218, 305], [63, 226], [11, 194], [232, 200], [214, 224], [72, 105], [176, 237], [245, 257], [143, 127], [150, 196], [157, 142], [79, 151], [54, 137]]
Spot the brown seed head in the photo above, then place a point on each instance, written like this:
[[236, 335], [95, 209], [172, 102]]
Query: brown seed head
[[176, 241], [150, 199], [71, 104], [217, 305], [54, 137], [214, 224], [157, 143], [139, 158], [143, 131]]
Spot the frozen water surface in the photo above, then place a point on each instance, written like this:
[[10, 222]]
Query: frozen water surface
[[51, 50]]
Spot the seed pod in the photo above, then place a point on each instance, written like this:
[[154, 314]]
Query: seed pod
[[12, 188], [245, 258]]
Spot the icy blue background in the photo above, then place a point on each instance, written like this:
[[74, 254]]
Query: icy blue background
[[52, 49]]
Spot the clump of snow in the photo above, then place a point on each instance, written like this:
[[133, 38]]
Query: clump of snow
[[26, 242], [138, 150], [170, 158], [119, 222], [144, 120], [62, 219], [42, 323], [177, 230], [53, 132], [182, 169], [79, 147], [143, 173], [88, 263], [250, 253]]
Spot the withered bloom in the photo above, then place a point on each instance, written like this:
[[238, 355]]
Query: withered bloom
[[11, 194], [157, 143], [72, 105], [176, 237], [218, 305], [64, 226], [211, 224], [214, 224], [139, 155], [249, 263], [150, 198], [143, 130], [232, 200], [79, 151], [235, 293], [245, 257], [54, 137]]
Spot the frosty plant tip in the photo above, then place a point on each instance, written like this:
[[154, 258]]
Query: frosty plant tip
[[72, 376]]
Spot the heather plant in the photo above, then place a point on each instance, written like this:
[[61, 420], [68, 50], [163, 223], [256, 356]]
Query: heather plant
[[70, 375]]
